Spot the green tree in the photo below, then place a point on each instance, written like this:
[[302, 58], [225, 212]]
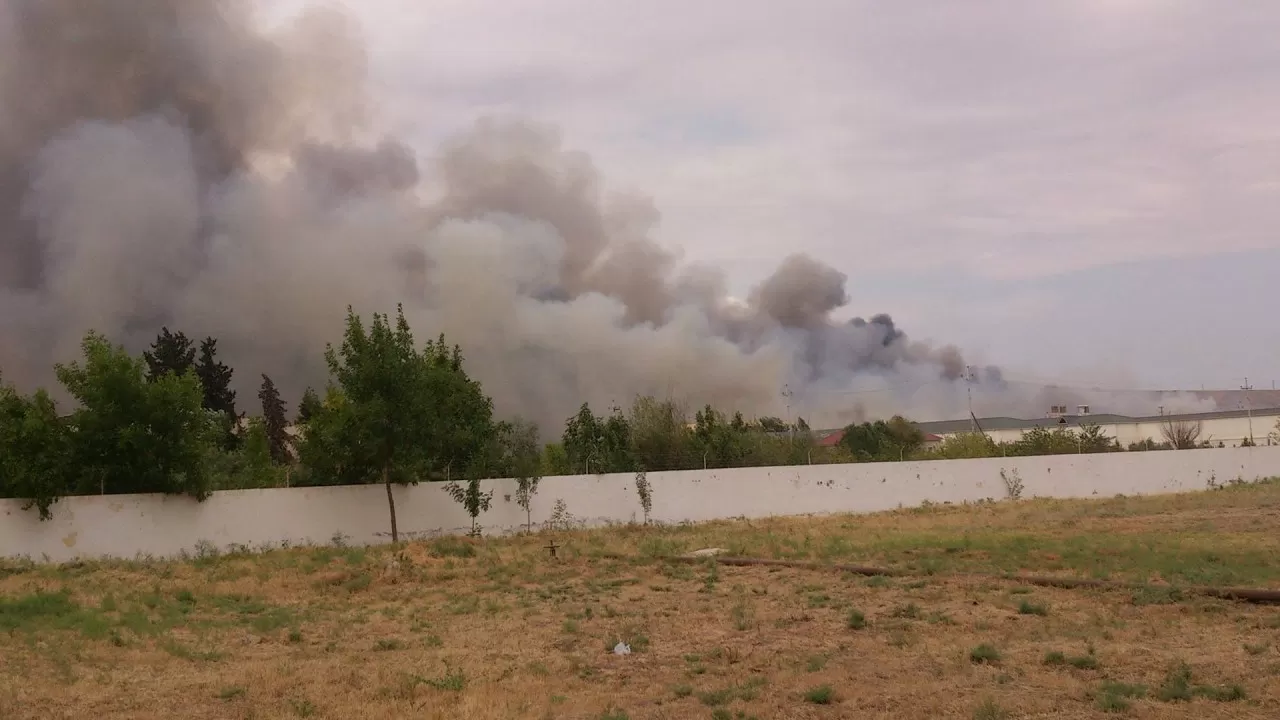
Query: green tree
[[395, 414], [965, 445], [472, 499], [772, 424], [134, 436], [215, 382], [1092, 439], [516, 452], [593, 444], [248, 466], [721, 442], [644, 491], [883, 441], [33, 450], [274, 423], [555, 461], [903, 438], [660, 435], [1042, 441], [170, 353], [308, 406]]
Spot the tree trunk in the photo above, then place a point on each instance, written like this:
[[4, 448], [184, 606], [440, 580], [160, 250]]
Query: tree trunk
[[391, 504]]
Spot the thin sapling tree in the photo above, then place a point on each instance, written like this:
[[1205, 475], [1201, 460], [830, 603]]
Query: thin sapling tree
[[645, 491]]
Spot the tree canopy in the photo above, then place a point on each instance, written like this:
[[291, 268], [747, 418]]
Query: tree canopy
[[275, 423], [33, 450], [395, 414], [170, 353], [131, 434]]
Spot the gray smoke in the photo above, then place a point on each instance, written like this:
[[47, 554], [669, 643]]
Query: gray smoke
[[171, 162]]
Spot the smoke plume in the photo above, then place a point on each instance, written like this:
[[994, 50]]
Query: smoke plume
[[170, 162]]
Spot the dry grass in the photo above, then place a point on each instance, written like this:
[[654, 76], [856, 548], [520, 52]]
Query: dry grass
[[496, 629]]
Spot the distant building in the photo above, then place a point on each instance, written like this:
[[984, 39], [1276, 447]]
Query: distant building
[[1229, 427]]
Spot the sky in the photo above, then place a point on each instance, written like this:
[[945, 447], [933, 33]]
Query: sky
[[1078, 190]]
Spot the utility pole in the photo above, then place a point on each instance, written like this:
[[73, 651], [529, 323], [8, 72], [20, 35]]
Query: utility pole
[[791, 432], [1246, 387], [968, 379]]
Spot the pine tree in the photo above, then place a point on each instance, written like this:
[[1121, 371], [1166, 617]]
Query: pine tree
[[170, 353], [215, 379], [274, 418]]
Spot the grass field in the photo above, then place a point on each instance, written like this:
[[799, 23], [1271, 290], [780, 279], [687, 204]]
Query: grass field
[[495, 628]]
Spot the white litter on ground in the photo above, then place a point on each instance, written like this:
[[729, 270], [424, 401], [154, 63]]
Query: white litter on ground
[[707, 552]]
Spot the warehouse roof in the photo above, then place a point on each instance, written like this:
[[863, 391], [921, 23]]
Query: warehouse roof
[[943, 427]]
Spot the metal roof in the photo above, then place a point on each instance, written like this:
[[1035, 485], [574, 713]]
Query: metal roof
[[944, 427]]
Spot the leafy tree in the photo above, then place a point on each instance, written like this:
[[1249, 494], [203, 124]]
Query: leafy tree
[[772, 424], [170, 353], [33, 450], [882, 441], [965, 445], [134, 436], [592, 443], [308, 406], [645, 491], [395, 414], [659, 435], [516, 453], [526, 488], [215, 381], [1148, 444], [274, 422], [1043, 441], [471, 498], [330, 445], [1092, 439], [248, 466], [555, 461], [722, 443], [904, 438]]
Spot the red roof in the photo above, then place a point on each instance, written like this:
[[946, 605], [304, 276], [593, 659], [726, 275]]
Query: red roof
[[831, 439]]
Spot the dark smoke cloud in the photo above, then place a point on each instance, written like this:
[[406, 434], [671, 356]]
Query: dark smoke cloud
[[171, 162]]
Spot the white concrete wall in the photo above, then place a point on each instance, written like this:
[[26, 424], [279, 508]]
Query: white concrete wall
[[131, 525]]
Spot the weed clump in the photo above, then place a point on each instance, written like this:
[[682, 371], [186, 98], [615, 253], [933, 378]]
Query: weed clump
[[821, 695], [984, 654], [856, 620]]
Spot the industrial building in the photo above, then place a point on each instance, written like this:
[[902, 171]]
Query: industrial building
[[1228, 427]]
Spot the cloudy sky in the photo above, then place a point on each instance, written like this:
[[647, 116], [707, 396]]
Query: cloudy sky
[[1076, 189]]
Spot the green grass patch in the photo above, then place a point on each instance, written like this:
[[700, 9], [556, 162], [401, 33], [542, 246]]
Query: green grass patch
[[856, 620], [821, 695], [984, 654], [52, 611], [989, 710], [1026, 607], [450, 546]]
